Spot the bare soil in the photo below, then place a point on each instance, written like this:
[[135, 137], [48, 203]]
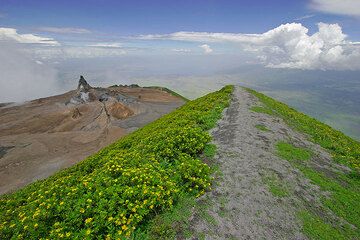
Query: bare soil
[[41, 137]]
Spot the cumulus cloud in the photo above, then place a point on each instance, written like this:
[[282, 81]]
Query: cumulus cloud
[[207, 49], [287, 46], [11, 34], [340, 7], [23, 77], [64, 30]]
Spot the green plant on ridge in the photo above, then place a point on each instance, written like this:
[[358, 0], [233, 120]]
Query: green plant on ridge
[[117, 190]]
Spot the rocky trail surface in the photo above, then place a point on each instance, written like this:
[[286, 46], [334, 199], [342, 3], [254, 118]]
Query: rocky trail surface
[[242, 204]]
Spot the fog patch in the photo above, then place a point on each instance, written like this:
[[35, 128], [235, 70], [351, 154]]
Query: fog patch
[[22, 77]]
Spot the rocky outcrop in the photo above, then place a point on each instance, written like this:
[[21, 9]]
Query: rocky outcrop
[[83, 93], [83, 86]]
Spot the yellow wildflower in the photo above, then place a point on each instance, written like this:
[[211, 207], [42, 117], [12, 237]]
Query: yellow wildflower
[[88, 220]]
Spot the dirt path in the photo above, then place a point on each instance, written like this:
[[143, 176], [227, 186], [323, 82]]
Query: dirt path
[[242, 205]]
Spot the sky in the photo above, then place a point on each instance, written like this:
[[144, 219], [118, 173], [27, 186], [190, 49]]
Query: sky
[[38, 38]]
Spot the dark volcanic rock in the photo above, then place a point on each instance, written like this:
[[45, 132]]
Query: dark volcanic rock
[[4, 150], [83, 86], [104, 97]]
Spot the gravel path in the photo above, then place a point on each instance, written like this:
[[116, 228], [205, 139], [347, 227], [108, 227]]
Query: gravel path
[[241, 205]]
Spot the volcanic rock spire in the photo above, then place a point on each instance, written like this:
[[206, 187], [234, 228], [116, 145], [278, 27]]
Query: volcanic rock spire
[[83, 86]]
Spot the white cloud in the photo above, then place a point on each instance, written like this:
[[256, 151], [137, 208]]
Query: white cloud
[[207, 49], [340, 7], [304, 17], [287, 46], [67, 52], [64, 30], [23, 77], [106, 45], [199, 37], [7, 34], [181, 50]]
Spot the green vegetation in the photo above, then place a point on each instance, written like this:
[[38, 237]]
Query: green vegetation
[[115, 192], [169, 224], [315, 228], [290, 152], [262, 127], [260, 109], [276, 186], [210, 150], [343, 201], [344, 149]]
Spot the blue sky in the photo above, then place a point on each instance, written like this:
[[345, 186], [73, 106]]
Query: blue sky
[[181, 37], [114, 18]]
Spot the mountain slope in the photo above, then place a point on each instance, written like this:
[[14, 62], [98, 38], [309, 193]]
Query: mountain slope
[[42, 136], [279, 174], [115, 191]]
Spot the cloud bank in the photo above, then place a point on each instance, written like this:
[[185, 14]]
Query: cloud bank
[[287, 46], [11, 34], [77, 52], [106, 45], [340, 7], [64, 30], [22, 77], [181, 50]]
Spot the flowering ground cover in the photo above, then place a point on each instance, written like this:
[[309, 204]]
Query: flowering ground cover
[[112, 193]]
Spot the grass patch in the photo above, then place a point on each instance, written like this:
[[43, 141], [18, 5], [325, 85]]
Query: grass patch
[[290, 152], [210, 150], [262, 127], [172, 224], [121, 188], [343, 188], [275, 185], [344, 149], [260, 109], [223, 202], [202, 210], [316, 228]]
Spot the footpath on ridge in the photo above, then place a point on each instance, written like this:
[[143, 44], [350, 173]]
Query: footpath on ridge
[[259, 194]]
